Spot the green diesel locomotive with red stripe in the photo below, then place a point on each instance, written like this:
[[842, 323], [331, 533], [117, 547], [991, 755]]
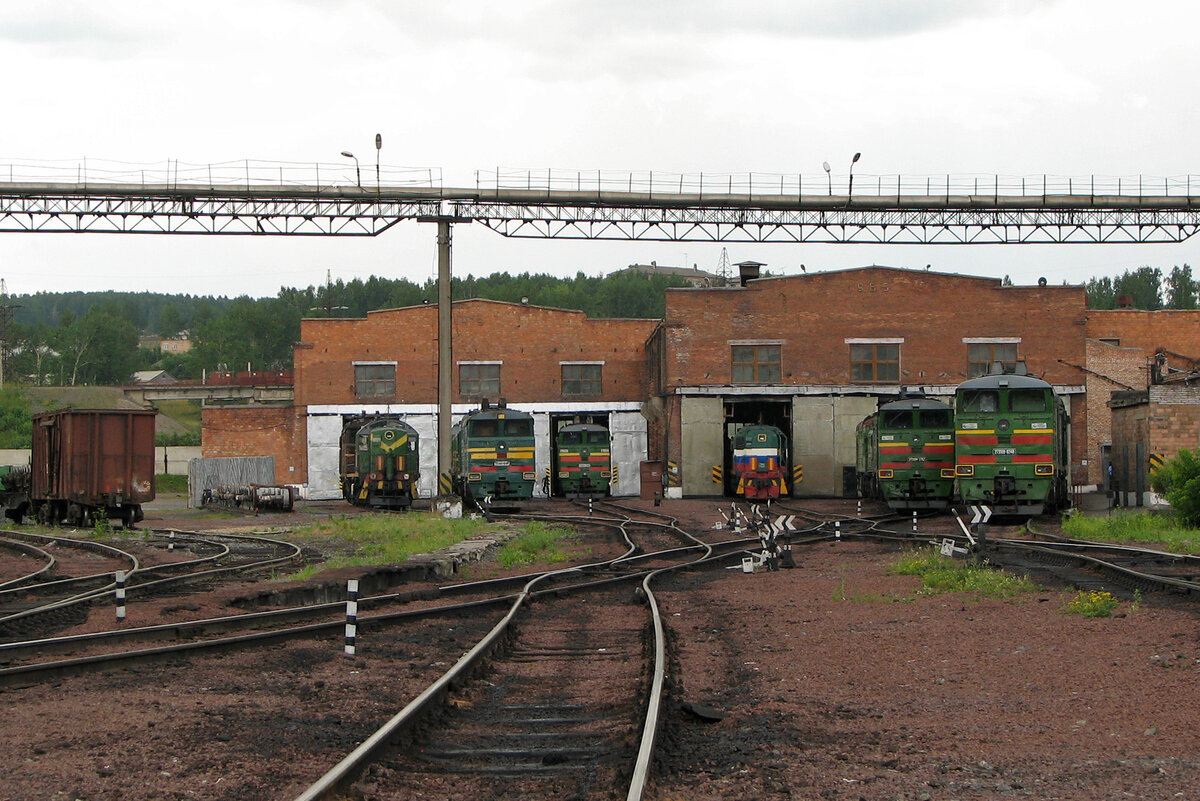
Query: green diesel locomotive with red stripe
[[1011, 444], [584, 460], [905, 454]]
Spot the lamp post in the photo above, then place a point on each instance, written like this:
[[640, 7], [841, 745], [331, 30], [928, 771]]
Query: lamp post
[[828, 177], [853, 161], [378, 147], [357, 174]]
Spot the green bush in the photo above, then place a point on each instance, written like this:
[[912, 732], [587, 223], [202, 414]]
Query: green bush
[[1179, 480]]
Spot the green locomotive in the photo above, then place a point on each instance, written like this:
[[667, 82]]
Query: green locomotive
[[492, 455], [905, 454], [584, 460], [1011, 449], [380, 463]]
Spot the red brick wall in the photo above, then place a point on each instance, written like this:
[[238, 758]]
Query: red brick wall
[[1111, 369], [278, 431], [814, 314], [1175, 330], [1174, 419], [529, 340]]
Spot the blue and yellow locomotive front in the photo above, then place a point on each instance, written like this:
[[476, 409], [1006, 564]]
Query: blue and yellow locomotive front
[[493, 454], [1011, 444], [760, 462], [382, 469]]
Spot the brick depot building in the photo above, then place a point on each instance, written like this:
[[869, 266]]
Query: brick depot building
[[812, 354]]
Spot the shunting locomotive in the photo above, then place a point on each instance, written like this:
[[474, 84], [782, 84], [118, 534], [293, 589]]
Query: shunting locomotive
[[905, 454], [584, 460], [1011, 443], [760, 462], [492, 454], [380, 462]]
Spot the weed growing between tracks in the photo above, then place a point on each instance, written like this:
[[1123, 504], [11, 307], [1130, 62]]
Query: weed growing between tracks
[[1134, 526], [941, 574]]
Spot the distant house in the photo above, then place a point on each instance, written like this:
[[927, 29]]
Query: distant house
[[693, 275], [149, 341], [154, 377], [175, 345]]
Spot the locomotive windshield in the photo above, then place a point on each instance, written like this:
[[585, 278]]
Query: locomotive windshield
[[1027, 400], [935, 418], [485, 428], [518, 428], [571, 437], [898, 419], [597, 437], [979, 400]]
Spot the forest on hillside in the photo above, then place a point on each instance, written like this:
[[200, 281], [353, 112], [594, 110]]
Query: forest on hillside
[[92, 338], [77, 338]]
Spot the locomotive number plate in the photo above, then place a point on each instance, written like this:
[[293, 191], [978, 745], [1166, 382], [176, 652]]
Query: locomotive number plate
[[1004, 451]]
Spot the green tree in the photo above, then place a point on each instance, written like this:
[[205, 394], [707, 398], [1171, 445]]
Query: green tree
[[1181, 288], [1179, 480], [16, 426]]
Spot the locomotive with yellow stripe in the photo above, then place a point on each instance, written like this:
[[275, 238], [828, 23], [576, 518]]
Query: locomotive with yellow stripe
[[492, 455], [1011, 447], [380, 462], [905, 454], [760, 462], [584, 459]]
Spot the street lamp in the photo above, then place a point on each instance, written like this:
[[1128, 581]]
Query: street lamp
[[378, 147], [828, 177], [853, 161], [357, 174]]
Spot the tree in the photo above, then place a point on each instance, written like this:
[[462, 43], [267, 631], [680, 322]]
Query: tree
[[1181, 288], [1143, 286], [1179, 480]]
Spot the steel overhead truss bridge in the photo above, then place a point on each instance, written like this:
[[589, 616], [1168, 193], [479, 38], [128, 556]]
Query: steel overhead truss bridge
[[617, 211], [266, 211]]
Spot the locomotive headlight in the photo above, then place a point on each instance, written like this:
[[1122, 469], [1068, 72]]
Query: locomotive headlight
[[474, 477], [947, 472], [530, 476], [562, 474], [965, 470], [1043, 469], [886, 473]]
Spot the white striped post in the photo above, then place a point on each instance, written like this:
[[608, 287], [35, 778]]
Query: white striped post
[[914, 521], [860, 507], [351, 615], [171, 541], [837, 529], [120, 595]]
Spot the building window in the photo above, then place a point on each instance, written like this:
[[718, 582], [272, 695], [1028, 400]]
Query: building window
[[582, 379], [375, 380], [981, 356], [872, 364], [755, 364], [479, 379]]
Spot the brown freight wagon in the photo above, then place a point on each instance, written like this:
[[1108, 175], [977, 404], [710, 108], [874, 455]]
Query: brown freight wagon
[[91, 462]]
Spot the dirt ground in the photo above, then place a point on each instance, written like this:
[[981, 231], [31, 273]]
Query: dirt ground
[[835, 679]]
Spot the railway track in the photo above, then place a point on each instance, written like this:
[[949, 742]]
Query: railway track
[[34, 608]]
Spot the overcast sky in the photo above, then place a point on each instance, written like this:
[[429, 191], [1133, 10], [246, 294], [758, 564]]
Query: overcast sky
[[1065, 87]]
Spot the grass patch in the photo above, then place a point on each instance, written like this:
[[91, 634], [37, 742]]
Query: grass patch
[[539, 543], [941, 574], [166, 483], [1134, 526], [382, 539]]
